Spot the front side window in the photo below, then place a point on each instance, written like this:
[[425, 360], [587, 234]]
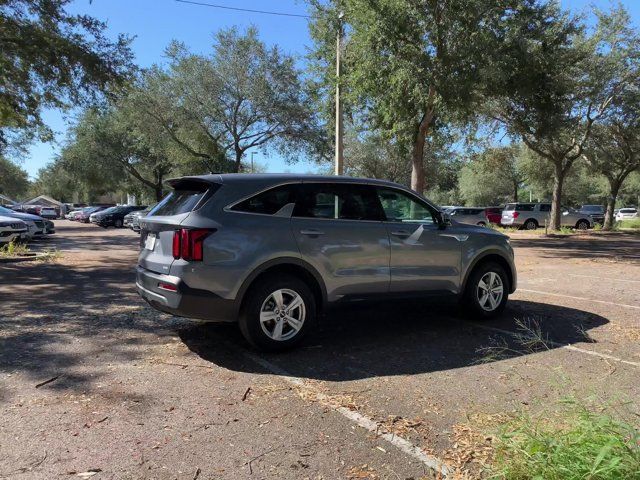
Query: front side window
[[268, 202], [545, 207], [338, 201], [401, 207]]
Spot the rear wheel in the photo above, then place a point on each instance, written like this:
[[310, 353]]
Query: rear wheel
[[481, 224], [486, 292], [530, 224], [277, 313], [582, 225], [117, 223]]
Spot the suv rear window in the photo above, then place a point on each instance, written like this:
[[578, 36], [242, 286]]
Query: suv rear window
[[183, 199]]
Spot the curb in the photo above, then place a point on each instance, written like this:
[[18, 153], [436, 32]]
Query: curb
[[23, 258]]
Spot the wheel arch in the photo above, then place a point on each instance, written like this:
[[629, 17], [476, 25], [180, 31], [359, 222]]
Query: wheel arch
[[289, 265], [491, 256]]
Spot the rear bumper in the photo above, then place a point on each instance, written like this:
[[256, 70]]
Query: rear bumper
[[185, 302]]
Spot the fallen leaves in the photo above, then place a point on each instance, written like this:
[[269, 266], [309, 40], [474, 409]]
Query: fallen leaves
[[362, 472]]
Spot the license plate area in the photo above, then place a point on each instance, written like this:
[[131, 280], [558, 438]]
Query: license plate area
[[150, 241]]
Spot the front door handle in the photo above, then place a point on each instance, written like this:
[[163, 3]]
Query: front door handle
[[312, 232], [400, 233]]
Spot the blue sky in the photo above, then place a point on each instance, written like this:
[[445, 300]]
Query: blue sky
[[154, 23]]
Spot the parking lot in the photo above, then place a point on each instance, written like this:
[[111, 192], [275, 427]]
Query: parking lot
[[92, 381]]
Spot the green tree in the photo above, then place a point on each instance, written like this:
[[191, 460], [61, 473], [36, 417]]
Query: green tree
[[554, 81], [492, 177], [614, 152], [410, 63], [244, 96], [49, 58], [14, 181]]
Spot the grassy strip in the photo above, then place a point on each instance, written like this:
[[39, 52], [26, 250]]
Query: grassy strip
[[14, 249], [634, 223], [575, 443]]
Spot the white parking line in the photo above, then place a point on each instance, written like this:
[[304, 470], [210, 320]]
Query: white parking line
[[578, 298], [435, 464], [604, 278], [560, 345]]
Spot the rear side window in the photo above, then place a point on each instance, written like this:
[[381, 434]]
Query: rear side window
[[183, 199], [338, 201], [269, 202], [545, 207], [525, 207]]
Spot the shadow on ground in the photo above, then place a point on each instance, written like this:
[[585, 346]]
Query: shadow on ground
[[390, 339], [615, 246]]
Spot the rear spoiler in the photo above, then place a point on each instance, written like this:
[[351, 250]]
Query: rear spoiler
[[194, 182]]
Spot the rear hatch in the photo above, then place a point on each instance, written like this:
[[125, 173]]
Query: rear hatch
[[158, 226]]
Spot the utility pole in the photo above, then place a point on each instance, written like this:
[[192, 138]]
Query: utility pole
[[252, 165], [339, 157]]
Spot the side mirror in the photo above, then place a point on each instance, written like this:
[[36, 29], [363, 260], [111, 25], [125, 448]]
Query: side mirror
[[442, 219]]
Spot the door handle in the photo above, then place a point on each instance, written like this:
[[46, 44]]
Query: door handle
[[401, 233], [312, 232]]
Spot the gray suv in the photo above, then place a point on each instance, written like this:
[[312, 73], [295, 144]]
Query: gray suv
[[533, 215], [273, 251]]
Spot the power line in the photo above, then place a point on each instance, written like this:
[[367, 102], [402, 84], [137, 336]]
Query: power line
[[282, 14]]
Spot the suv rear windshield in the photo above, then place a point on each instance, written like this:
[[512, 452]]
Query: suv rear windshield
[[183, 199]]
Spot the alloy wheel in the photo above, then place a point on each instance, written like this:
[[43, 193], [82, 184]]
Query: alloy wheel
[[490, 291], [282, 314]]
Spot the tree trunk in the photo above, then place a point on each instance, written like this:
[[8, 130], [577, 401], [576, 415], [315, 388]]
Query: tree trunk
[[417, 164], [417, 153], [515, 192], [238, 163], [614, 188], [556, 200]]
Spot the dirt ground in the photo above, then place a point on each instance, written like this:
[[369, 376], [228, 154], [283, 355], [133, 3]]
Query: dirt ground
[[95, 384]]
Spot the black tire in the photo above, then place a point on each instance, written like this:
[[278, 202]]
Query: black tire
[[530, 224], [257, 295], [481, 224], [117, 223], [582, 225], [470, 301]]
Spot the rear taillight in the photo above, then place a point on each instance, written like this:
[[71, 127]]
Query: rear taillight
[[516, 214], [187, 243]]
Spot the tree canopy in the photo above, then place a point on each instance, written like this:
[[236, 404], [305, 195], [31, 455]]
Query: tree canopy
[[49, 58]]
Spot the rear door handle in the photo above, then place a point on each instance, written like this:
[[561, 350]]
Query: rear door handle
[[312, 232], [401, 233]]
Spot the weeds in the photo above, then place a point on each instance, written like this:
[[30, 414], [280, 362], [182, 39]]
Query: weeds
[[574, 443], [529, 338], [13, 249]]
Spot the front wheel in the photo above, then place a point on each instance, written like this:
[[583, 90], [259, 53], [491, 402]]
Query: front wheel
[[278, 312], [118, 223], [582, 225], [486, 291]]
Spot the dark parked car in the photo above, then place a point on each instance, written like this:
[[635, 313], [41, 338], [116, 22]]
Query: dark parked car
[[86, 212], [272, 251], [114, 216], [596, 212]]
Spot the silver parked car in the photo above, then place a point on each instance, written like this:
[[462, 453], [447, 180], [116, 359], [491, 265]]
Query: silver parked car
[[470, 215], [272, 251], [533, 215]]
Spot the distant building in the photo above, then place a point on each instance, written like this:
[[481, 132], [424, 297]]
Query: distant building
[[46, 201]]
